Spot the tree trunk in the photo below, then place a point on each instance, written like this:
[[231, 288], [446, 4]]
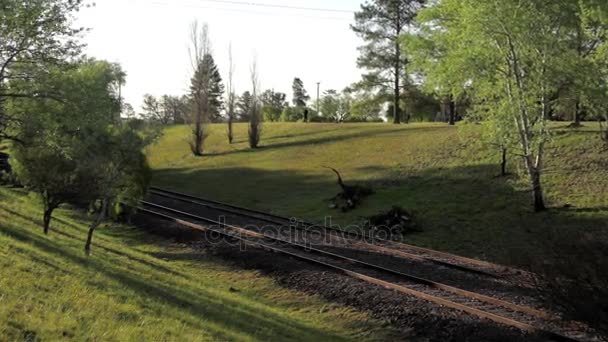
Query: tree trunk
[[94, 225], [396, 109], [48, 215], [576, 120], [503, 164], [452, 112], [230, 129], [537, 190]]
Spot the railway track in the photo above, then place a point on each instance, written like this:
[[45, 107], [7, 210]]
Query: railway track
[[503, 312], [380, 245]]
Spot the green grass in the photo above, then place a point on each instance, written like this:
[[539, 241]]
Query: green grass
[[441, 173], [136, 287]]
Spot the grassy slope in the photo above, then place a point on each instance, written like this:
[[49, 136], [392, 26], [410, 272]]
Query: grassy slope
[[138, 287], [441, 173]]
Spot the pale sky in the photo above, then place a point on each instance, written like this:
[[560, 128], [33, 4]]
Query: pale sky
[[149, 38]]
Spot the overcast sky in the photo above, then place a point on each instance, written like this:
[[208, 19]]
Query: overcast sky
[[149, 38]]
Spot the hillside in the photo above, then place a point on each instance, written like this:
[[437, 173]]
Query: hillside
[[443, 174], [136, 287]]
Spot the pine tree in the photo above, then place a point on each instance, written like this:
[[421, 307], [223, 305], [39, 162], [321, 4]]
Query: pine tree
[[300, 96], [381, 23]]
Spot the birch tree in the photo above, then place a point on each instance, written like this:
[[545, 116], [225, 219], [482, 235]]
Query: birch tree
[[514, 54]]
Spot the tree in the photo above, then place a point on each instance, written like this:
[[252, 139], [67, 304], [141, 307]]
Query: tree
[[513, 60], [255, 116], [336, 107], [174, 109], [380, 23], [120, 171], [243, 106], [330, 104], [366, 107], [231, 97], [300, 96], [36, 35], [200, 86], [155, 111], [273, 104], [54, 142], [289, 114]]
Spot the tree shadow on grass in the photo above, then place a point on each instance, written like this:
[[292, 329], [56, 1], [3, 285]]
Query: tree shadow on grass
[[465, 210], [229, 314], [96, 245], [325, 140]]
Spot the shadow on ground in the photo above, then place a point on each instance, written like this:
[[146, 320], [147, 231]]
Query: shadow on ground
[[465, 210]]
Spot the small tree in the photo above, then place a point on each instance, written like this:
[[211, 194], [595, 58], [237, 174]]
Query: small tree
[[52, 172], [366, 107], [300, 96], [273, 104], [49, 157], [205, 86], [243, 106], [330, 104], [255, 121], [119, 169], [231, 100]]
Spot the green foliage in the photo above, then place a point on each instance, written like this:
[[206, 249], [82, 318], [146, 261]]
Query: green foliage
[[55, 135], [336, 107], [509, 55], [243, 106], [273, 104], [300, 96], [380, 24], [35, 35], [207, 84], [366, 107]]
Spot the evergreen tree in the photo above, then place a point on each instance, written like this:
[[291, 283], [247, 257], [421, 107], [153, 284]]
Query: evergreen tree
[[380, 23], [300, 96], [243, 106]]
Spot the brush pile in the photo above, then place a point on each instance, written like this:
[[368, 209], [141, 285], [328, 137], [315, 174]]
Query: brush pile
[[396, 221]]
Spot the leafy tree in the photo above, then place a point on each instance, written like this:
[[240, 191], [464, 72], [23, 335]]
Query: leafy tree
[[289, 114], [330, 104], [508, 52], [273, 104], [380, 23], [152, 111], [174, 108], [336, 107], [300, 96], [36, 35], [120, 171], [366, 107], [243, 106], [54, 142]]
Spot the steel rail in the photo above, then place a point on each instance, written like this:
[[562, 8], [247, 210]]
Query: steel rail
[[357, 275], [423, 281]]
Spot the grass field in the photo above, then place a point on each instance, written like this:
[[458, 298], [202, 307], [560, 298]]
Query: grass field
[[136, 287], [441, 173]]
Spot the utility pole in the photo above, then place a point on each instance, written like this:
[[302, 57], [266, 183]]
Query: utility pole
[[318, 88]]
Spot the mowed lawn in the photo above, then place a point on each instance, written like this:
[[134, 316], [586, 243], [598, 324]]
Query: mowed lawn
[[443, 174], [136, 287]]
